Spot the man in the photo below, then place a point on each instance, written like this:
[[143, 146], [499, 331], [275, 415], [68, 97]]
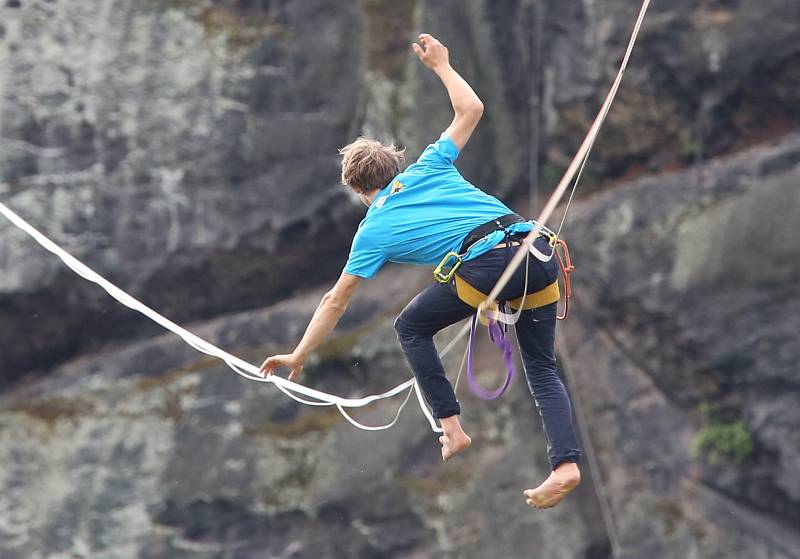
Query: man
[[418, 216]]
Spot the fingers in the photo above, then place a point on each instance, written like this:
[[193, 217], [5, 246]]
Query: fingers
[[418, 50], [267, 366], [427, 41], [425, 38], [271, 363]]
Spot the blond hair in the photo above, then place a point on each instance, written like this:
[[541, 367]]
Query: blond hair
[[369, 165]]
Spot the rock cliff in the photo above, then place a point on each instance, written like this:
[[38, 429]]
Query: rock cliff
[[187, 150], [682, 331]]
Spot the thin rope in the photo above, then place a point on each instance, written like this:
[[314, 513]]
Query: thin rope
[[574, 165], [572, 195]]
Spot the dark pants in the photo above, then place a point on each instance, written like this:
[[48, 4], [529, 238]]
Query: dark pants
[[438, 306]]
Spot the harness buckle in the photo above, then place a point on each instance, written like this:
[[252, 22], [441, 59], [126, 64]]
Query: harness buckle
[[446, 269]]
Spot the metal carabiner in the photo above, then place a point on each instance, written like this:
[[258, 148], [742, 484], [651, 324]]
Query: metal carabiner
[[444, 272]]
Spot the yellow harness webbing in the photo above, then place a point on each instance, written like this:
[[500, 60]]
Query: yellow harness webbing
[[474, 298]]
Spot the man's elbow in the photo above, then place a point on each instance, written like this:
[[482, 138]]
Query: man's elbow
[[472, 110], [335, 302]]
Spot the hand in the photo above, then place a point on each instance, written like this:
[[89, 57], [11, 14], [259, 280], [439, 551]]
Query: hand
[[432, 53], [291, 361]]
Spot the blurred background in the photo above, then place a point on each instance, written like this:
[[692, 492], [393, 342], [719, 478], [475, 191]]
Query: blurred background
[[187, 150]]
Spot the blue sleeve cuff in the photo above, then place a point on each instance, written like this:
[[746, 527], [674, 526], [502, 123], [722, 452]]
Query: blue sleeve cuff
[[447, 147]]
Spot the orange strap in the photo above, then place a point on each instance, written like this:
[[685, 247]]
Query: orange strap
[[565, 263]]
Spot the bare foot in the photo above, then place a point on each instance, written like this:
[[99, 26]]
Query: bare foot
[[453, 444], [561, 481]]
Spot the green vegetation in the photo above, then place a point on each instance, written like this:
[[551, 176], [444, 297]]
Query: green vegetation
[[718, 439], [691, 149]]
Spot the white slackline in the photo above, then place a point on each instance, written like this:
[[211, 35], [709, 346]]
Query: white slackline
[[239, 366]]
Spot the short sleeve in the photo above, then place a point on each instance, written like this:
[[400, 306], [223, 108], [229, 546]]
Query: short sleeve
[[442, 152], [365, 258]]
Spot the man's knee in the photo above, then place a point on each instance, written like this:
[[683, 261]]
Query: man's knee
[[401, 327], [408, 329]]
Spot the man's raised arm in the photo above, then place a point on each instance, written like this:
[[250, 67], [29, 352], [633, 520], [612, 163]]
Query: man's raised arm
[[467, 105], [325, 319]]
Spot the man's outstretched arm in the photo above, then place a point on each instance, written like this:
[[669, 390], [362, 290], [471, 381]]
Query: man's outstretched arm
[[325, 319], [467, 105]]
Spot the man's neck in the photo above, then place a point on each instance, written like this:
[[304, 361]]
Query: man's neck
[[369, 197]]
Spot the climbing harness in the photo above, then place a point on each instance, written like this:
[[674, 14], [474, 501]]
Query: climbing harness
[[493, 313], [475, 298], [318, 398], [574, 170], [446, 269]]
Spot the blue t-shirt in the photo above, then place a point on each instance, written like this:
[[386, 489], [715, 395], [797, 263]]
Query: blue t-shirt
[[423, 213]]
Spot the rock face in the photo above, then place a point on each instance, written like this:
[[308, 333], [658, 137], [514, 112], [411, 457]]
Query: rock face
[[685, 336], [153, 451], [187, 151]]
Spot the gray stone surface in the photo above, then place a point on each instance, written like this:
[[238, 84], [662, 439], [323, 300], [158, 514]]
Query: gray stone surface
[[187, 150], [150, 450], [688, 298]]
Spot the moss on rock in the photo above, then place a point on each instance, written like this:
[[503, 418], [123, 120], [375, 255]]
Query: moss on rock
[[718, 439]]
